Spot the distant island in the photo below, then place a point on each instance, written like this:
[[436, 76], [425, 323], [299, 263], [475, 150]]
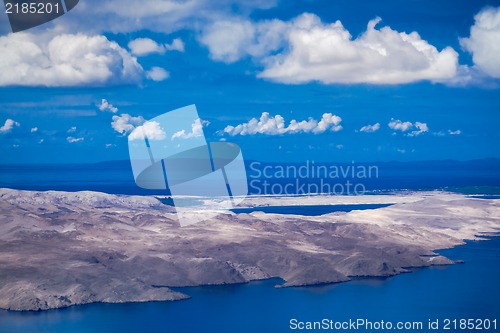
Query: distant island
[[59, 249]]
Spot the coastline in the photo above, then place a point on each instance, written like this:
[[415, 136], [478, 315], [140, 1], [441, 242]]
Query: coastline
[[216, 252]]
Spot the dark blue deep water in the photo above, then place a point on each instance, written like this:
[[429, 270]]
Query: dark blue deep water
[[471, 177], [462, 291], [313, 210]]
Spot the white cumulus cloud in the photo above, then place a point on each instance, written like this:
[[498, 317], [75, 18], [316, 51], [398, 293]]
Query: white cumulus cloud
[[328, 121], [176, 45], [457, 132], [398, 125], [419, 129], [34, 129], [8, 126], [328, 54], [276, 125], [106, 106], [157, 74], [370, 128], [484, 41], [126, 123], [196, 130], [150, 130], [305, 49], [412, 129], [65, 60], [145, 46]]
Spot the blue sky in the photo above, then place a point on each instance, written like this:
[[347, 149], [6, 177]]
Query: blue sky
[[383, 92]]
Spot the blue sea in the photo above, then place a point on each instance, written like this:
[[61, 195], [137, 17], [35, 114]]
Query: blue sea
[[313, 210], [471, 177], [457, 292]]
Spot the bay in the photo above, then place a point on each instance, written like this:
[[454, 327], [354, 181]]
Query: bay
[[308, 210]]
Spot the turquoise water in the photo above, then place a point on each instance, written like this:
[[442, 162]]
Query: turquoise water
[[470, 290], [312, 210]]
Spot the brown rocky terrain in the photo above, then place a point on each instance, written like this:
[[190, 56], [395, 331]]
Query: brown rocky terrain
[[59, 249]]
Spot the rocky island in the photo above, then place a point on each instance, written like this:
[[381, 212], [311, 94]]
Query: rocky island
[[59, 249]]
